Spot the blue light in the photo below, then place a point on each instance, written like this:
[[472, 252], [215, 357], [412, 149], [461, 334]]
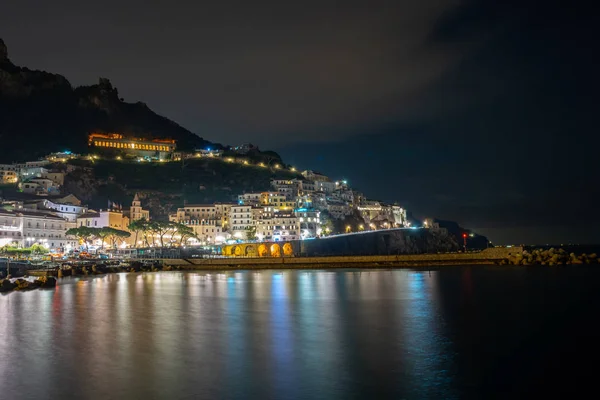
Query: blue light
[[208, 148]]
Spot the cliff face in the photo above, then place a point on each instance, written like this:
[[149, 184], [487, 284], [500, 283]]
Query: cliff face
[[41, 112], [385, 242]]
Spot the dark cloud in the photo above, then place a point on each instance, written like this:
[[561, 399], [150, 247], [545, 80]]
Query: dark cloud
[[482, 112]]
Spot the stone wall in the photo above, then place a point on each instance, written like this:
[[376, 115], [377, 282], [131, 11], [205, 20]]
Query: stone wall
[[488, 256], [382, 242]]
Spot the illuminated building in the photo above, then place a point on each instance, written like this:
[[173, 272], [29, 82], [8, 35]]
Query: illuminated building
[[156, 148], [26, 228], [8, 177]]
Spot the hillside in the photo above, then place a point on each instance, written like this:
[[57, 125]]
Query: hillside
[[166, 186], [41, 112]]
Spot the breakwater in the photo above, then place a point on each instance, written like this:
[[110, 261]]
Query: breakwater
[[484, 257]]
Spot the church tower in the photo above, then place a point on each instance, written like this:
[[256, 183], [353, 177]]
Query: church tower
[[136, 211]]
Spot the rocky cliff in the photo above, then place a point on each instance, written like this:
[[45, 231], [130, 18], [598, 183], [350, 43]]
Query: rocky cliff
[[41, 112]]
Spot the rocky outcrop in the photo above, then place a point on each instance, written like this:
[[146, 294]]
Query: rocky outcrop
[[6, 285], [3, 52], [46, 282], [54, 116], [22, 284], [550, 257]]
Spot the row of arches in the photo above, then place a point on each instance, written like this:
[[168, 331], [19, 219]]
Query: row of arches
[[258, 250]]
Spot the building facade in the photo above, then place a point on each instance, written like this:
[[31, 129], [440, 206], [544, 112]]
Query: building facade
[[155, 148], [25, 228], [240, 220], [278, 227], [136, 211]]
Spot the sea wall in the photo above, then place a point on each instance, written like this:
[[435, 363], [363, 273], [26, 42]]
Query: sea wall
[[381, 242], [488, 256]]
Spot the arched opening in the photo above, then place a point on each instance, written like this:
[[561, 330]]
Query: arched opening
[[288, 250], [275, 250], [226, 250], [251, 251], [263, 250], [238, 251]]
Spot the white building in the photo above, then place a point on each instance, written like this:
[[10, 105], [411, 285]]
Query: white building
[[26, 228], [310, 222], [240, 220], [32, 172], [32, 188], [326, 187], [278, 227], [68, 212]]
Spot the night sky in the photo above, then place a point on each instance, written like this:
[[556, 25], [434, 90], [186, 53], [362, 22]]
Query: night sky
[[472, 111]]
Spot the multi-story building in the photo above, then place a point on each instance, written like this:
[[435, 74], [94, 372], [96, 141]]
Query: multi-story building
[[39, 186], [155, 148], [307, 186], [9, 167], [199, 212], [339, 210], [304, 201], [208, 231], [399, 215], [310, 222], [290, 188], [57, 177], [326, 186], [273, 199], [104, 218], [8, 177], [252, 199], [68, 212], [278, 227], [240, 220], [25, 228], [315, 176]]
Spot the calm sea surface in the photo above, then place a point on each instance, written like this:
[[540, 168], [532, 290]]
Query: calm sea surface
[[456, 332]]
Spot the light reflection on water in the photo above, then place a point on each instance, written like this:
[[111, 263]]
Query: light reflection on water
[[292, 334], [259, 334]]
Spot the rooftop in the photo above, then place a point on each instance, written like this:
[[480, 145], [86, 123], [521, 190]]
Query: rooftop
[[27, 213]]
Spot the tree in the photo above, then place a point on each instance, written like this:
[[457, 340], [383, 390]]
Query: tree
[[185, 233], [103, 233], [83, 233], [114, 235], [251, 233], [161, 229], [38, 249], [137, 226]]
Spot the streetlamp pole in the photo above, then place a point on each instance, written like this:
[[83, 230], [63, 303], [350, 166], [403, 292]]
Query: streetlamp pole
[[464, 242]]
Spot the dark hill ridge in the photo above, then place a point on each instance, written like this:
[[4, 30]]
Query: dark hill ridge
[[41, 112]]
